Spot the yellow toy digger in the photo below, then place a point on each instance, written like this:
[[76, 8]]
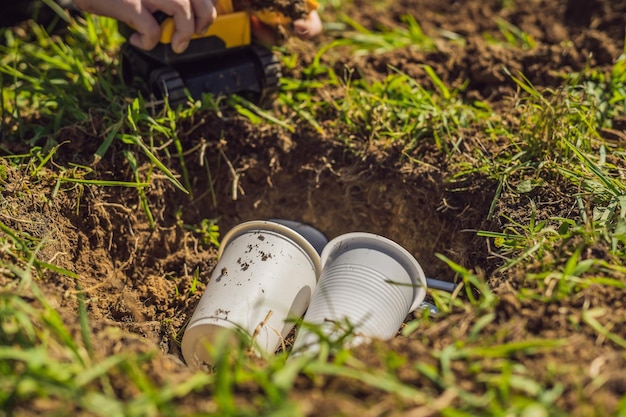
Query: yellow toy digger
[[222, 61]]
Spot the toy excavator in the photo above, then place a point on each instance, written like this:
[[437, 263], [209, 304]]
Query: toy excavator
[[222, 61]]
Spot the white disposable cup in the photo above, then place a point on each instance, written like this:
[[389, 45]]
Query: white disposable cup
[[368, 285], [263, 281]]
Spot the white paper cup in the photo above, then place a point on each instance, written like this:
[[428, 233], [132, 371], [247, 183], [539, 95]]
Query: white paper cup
[[369, 284], [263, 280]]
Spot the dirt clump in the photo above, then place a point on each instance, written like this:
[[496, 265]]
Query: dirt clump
[[293, 9]]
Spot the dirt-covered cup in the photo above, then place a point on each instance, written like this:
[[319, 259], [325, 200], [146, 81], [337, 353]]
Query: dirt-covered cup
[[263, 280]]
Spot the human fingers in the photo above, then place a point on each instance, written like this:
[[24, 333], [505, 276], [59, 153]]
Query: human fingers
[[204, 13], [131, 12], [190, 16], [308, 27], [147, 30], [182, 13]]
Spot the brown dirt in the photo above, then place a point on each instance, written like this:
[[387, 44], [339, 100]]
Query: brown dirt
[[292, 9], [137, 278]]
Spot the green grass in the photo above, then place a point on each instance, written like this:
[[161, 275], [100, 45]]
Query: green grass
[[52, 87]]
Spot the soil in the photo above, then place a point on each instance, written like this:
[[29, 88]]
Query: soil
[[137, 279], [292, 9]]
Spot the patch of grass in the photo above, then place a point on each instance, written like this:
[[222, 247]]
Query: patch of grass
[[361, 40], [523, 241], [37, 72], [512, 35], [22, 249], [397, 110], [44, 368], [558, 141], [208, 229]]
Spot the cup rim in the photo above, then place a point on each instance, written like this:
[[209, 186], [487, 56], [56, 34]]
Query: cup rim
[[269, 226], [365, 240]]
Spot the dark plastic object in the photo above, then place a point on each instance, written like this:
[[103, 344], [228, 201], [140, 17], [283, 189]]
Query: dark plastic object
[[437, 284], [316, 238]]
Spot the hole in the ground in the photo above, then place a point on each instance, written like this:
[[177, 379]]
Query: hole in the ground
[[337, 192]]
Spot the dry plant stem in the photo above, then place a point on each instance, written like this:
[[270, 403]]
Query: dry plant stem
[[233, 173], [257, 330], [435, 408]]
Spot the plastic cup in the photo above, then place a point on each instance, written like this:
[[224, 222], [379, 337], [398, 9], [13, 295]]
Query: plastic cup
[[265, 275], [368, 285]]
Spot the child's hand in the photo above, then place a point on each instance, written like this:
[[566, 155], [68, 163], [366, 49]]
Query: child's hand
[[190, 16], [306, 28], [309, 27]]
